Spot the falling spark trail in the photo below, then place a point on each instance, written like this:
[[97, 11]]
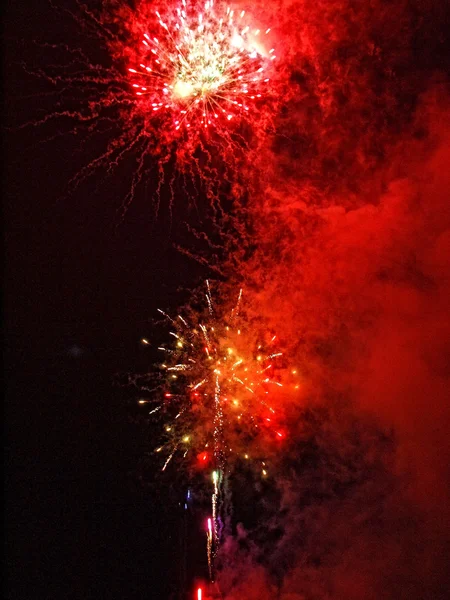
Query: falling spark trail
[[209, 549]]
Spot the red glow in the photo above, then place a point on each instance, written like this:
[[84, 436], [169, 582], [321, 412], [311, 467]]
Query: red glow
[[203, 458], [199, 594]]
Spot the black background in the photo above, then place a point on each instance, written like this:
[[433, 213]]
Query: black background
[[82, 285]]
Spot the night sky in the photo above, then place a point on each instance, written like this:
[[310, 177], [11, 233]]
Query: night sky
[[81, 288], [342, 240]]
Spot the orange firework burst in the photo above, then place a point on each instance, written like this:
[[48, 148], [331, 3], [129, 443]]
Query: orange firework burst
[[224, 386]]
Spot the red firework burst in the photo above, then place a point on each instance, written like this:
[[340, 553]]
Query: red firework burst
[[224, 389], [199, 64]]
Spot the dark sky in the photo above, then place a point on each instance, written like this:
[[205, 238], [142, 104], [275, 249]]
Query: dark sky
[[349, 262], [81, 286]]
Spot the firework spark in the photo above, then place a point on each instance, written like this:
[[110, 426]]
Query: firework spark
[[209, 542]]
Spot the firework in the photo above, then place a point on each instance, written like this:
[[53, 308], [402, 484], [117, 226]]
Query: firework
[[200, 65], [184, 93], [222, 384]]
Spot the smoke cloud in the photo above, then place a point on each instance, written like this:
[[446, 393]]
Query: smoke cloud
[[352, 269]]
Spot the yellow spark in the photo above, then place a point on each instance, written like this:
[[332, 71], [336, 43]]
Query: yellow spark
[[144, 341], [186, 438]]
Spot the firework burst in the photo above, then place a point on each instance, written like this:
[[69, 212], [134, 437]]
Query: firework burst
[[224, 384], [181, 96], [203, 65], [223, 389]]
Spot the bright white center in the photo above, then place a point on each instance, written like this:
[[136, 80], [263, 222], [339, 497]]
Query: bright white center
[[183, 89]]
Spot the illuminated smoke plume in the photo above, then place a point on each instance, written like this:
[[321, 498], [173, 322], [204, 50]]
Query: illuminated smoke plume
[[352, 266], [360, 503]]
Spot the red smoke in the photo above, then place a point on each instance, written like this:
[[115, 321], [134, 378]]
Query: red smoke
[[352, 270]]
